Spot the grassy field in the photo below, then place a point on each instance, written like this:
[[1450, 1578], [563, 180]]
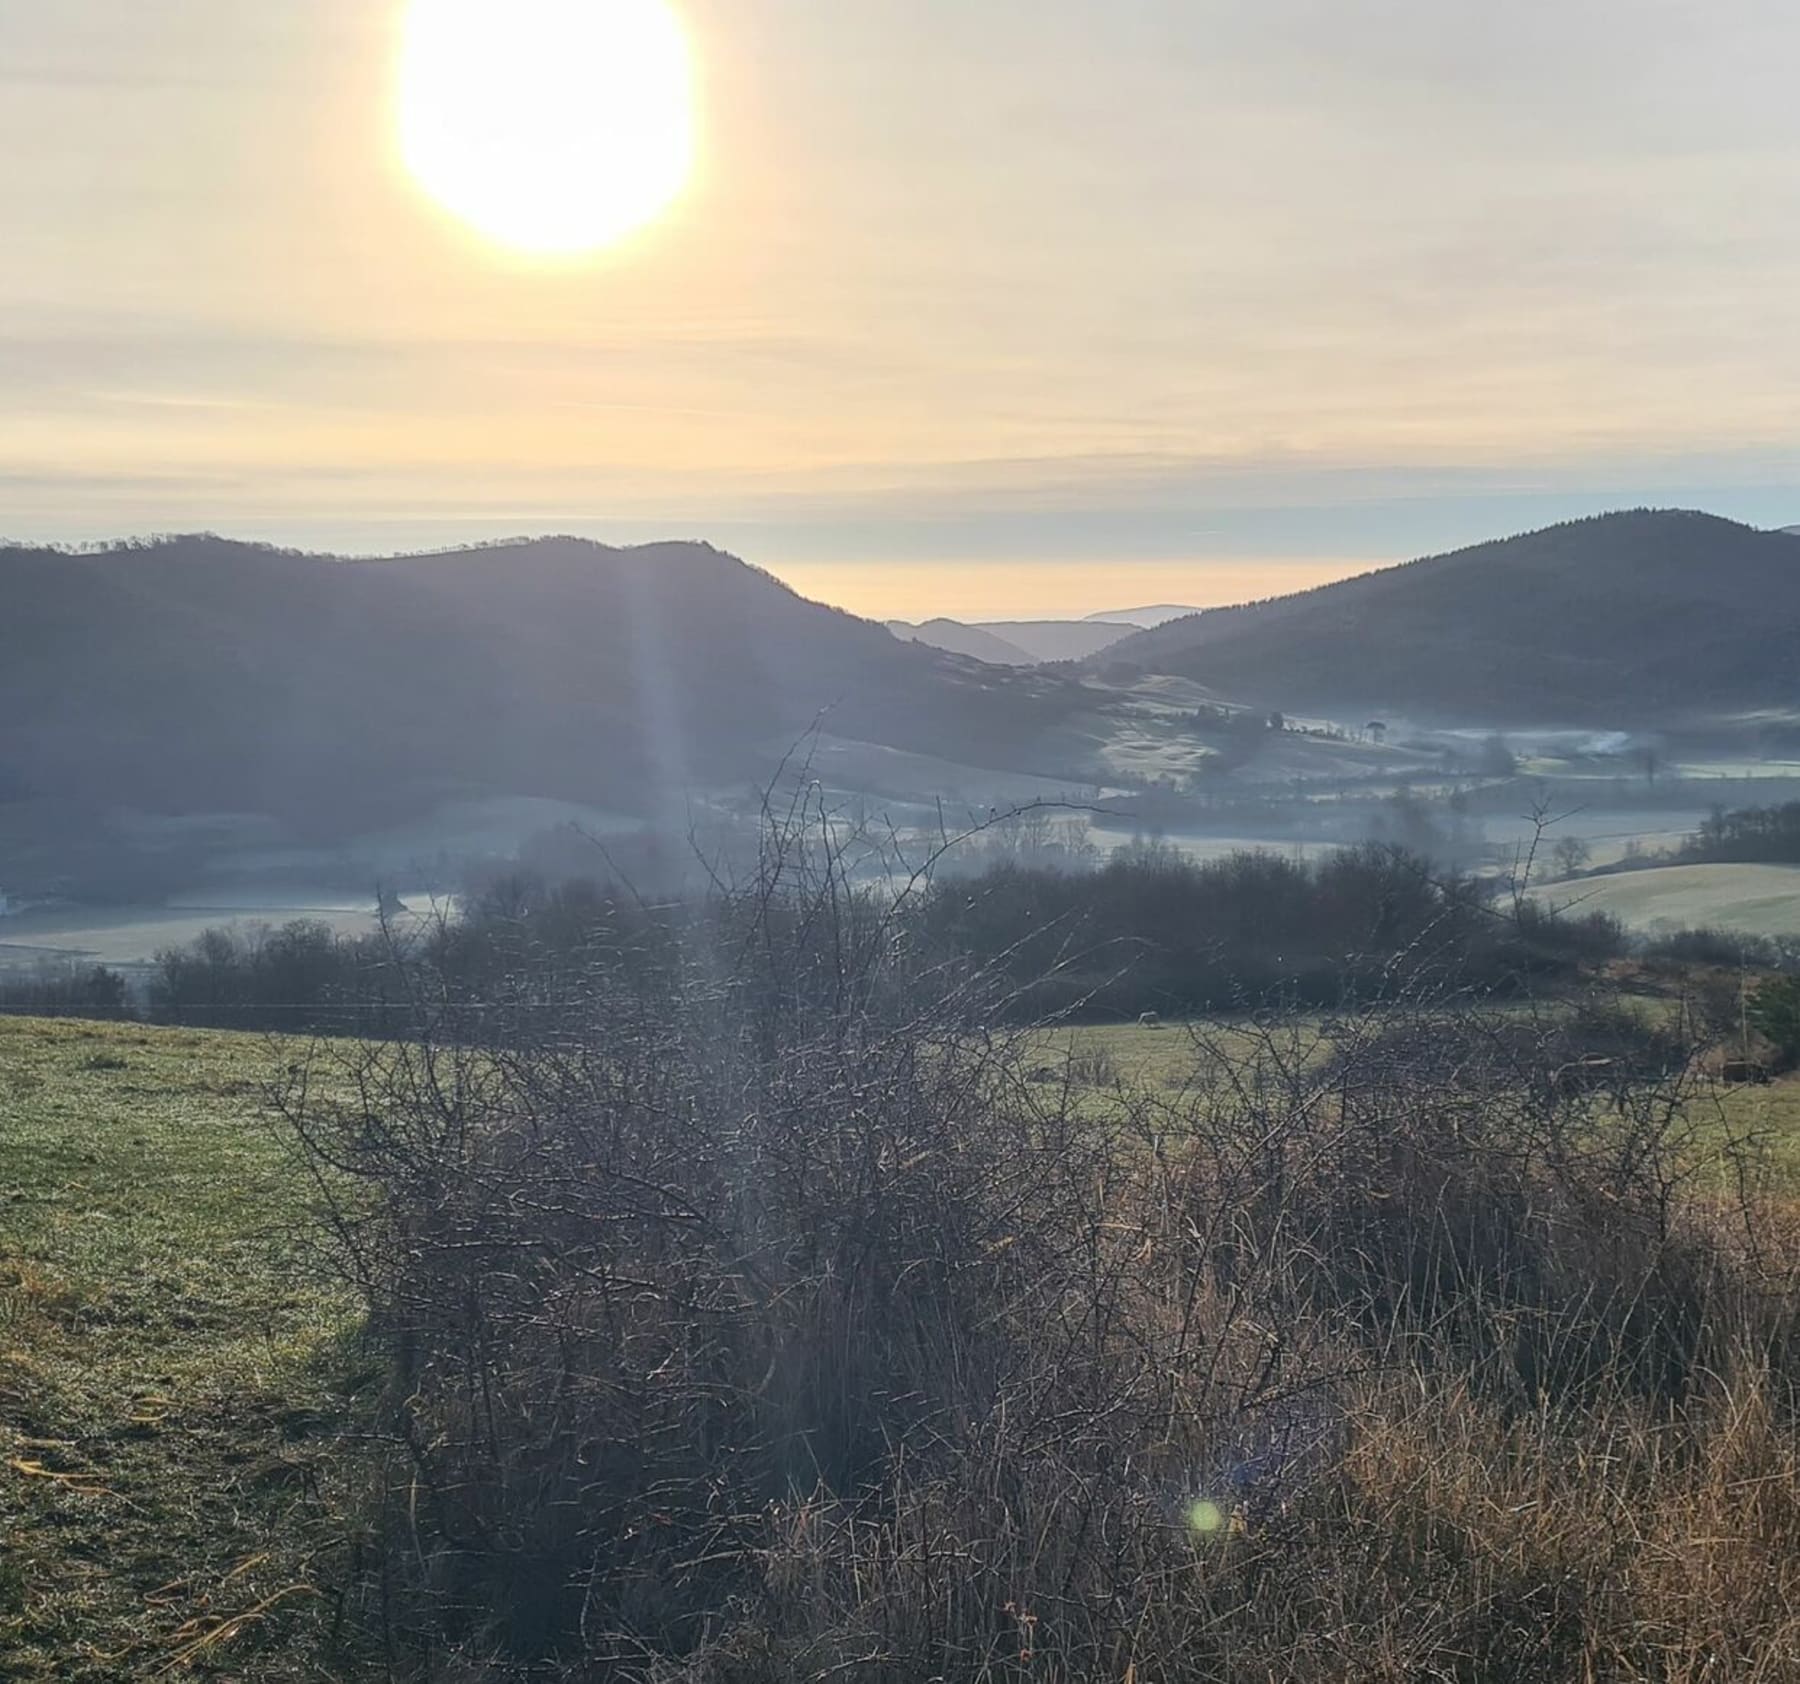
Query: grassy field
[[173, 1365], [1098, 1056], [177, 1373], [130, 936], [1772, 1115], [1761, 900]]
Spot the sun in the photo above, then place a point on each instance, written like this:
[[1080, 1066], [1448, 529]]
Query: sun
[[554, 127]]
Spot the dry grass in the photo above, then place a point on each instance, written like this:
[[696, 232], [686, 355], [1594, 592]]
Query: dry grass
[[769, 1321], [740, 1345]]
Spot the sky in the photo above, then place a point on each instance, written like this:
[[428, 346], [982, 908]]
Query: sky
[[992, 308]]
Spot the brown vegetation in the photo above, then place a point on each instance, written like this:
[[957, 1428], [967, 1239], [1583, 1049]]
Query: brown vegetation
[[765, 1319]]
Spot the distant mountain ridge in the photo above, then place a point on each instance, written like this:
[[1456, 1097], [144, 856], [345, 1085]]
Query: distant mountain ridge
[[1024, 643], [1145, 619], [200, 675], [957, 637], [1016, 643], [1647, 614]]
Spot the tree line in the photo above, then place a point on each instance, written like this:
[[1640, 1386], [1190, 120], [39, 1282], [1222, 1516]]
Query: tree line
[[1151, 930], [1747, 835]]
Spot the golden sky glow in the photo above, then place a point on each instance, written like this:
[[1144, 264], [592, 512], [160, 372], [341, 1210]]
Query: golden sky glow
[[953, 285], [981, 588]]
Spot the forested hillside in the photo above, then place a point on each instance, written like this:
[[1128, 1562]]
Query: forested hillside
[[1651, 614], [198, 675]]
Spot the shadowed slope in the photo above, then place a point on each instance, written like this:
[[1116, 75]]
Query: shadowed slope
[[201, 675], [1649, 614]]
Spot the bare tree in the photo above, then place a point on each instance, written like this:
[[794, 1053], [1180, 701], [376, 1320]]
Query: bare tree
[[1571, 854]]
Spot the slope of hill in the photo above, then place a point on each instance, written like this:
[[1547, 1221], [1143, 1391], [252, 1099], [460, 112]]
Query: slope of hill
[[979, 643], [198, 675], [1144, 619], [1756, 900], [1016, 643], [1651, 615], [1062, 640]]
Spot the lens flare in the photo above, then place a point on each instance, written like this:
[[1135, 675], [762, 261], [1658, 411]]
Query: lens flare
[[554, 127], [1204, 1517]]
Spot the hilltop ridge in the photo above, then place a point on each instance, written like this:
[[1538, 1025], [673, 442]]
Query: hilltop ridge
[[1646, 614], [202, 675]]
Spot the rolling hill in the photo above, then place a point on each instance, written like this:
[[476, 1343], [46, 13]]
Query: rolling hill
[[953, 636], [197, 675], [1146, 618], [1662, 616], [1016, 643]]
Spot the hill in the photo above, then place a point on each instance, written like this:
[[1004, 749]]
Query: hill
[[196, 675], [1062, 640], [1017, 643], [1652, 615], [977, 642], [1156, 614], [1755, 900]]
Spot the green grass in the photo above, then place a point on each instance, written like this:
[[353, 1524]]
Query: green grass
[[1771, 1116], [1163, 1061], [173, 1365], [1150, 1058]]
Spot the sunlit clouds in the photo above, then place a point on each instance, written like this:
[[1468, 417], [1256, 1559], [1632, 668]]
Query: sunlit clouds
[[1178, 281]]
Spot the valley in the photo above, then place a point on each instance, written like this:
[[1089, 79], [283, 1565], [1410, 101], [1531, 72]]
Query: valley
[[570, 707]]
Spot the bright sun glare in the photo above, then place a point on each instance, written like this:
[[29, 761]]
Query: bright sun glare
[[552, 126]]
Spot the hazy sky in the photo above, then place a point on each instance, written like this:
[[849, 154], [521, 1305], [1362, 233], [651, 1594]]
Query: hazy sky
[[976, 306]]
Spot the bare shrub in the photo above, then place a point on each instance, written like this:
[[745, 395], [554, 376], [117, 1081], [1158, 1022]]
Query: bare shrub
[[1092, 1066], [760, 1316], [1504, 1194]]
